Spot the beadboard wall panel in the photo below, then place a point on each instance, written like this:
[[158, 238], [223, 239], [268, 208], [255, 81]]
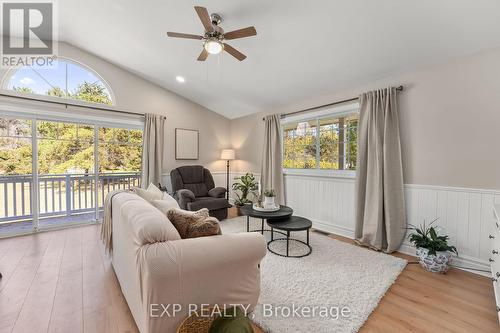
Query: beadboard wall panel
[[464, 214]]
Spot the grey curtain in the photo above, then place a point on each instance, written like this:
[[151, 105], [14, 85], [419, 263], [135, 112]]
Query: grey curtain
[[153, 141], [271, 171], [380, 207]]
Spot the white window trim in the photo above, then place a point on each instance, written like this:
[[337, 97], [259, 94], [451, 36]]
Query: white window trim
[[326, 173], [335, 112], [43, 111]]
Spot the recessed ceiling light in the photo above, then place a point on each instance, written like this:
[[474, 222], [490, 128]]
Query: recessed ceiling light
[[180, 79]]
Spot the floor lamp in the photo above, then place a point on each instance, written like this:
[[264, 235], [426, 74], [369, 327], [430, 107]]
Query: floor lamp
[[227, 155]]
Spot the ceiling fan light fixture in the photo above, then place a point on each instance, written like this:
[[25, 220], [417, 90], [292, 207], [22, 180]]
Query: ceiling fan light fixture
[[213, 46]]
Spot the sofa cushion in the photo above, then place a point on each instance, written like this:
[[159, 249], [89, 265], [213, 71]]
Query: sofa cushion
[[193, 224], [208, 202], [147, 224]]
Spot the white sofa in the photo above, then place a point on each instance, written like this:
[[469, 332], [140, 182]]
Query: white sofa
[[155, 266]]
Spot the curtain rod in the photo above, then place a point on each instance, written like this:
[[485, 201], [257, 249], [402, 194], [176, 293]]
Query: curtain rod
[[66, 104], [400, 88]]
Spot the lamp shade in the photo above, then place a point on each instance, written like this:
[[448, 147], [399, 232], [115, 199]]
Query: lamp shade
[[227, 154]]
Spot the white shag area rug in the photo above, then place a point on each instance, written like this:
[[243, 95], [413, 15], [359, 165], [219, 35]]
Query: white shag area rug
[[335, 277]]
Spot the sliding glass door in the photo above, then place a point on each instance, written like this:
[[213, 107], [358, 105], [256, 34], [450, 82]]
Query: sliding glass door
[[66, 170], [119, 159], [57, 173], [16, 180]]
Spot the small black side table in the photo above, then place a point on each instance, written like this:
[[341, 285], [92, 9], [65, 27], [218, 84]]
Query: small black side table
[[247, 210], [289, 224]]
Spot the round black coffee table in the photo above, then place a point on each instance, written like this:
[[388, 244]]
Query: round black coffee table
[[289, 224], [247, 210]]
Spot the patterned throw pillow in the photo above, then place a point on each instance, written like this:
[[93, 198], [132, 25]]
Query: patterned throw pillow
[[194, 224]]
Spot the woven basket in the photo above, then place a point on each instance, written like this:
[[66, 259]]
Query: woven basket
[[199, 324], [196, 323]]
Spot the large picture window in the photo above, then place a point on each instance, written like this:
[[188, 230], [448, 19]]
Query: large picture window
[[326, 142], [77, 165]]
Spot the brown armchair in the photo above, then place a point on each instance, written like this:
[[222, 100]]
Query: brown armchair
[[194, 189]]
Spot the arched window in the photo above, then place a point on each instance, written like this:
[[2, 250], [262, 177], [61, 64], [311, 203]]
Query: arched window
[[64, 79]]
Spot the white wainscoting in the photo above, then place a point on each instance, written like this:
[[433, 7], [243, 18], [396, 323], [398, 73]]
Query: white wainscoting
[[464, 214]]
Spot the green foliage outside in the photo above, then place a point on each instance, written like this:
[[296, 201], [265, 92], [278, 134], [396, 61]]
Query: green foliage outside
[[87, 91], [299, 146], [68, 147]]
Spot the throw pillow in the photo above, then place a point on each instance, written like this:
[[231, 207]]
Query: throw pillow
[[169, 198], [204, 227], [154, 189], [152, 193], [165, 204], [193, 224]]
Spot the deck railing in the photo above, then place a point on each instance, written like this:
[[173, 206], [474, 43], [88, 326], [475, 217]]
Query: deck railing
[[59, 194]]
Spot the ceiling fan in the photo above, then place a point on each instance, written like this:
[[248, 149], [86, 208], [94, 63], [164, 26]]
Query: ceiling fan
[[215, 37]]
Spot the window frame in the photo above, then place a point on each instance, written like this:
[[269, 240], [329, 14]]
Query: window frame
[[12, 71], [339, 111]]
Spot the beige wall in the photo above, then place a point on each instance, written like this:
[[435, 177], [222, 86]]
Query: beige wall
[[450, 123], [135, 94]]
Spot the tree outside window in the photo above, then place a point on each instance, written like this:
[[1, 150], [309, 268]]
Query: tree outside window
[[325, 143]]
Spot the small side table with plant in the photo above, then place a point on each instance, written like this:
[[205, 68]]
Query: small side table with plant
[[433, 251]]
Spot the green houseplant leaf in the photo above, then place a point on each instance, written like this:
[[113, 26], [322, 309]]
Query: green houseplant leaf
[[427, 237], [243, 186]]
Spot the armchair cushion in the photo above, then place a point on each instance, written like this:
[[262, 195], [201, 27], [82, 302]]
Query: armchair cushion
[[217, 192], [208, 202], [198, 189]]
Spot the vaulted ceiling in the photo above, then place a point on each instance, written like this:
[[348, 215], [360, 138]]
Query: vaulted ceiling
[[303, 48]]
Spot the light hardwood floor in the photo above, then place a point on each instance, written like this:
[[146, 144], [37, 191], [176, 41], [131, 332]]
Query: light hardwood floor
[[61, 281]]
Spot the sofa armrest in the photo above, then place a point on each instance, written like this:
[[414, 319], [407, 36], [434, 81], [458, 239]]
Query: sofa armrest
[[183, 197], [217, 192], [220, 270]]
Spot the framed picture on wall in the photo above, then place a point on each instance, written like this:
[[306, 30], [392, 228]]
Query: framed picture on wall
[[186, 144]]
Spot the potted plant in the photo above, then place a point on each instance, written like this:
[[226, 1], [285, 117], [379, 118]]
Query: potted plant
[[269, 198], [243, 186], [433, 251]]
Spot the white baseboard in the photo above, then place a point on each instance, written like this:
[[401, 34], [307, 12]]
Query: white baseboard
[[333, 229]]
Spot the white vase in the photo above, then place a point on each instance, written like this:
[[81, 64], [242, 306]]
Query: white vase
[[439, 263], [269, 202]]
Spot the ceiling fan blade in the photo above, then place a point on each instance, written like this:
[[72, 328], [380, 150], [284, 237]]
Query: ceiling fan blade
[[204, 18], [234, 52], [203, 55], [241, 33], [180, 35]]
